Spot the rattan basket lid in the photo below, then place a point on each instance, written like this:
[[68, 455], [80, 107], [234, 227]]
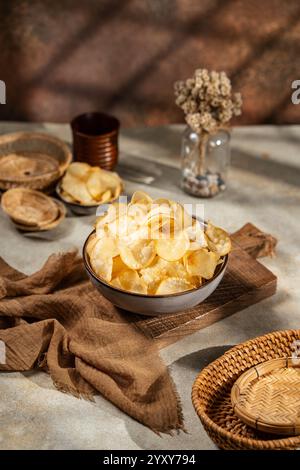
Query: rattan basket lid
[[267, 396], [29, 207]]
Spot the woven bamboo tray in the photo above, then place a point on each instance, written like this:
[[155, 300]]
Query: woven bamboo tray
[[211, 393], [267, 397]]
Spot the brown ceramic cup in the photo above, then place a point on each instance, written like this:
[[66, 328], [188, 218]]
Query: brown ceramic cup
[[95, 139]]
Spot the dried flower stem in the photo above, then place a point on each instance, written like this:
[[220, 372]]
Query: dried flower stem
[[203, 139]]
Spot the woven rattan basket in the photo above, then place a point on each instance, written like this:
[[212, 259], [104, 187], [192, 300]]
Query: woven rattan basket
[[212, 389], [49, 156]]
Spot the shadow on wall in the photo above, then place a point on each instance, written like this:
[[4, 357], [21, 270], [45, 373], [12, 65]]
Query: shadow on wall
[[62, 58]]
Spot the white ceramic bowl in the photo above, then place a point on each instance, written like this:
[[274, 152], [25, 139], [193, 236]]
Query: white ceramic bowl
[[153, 304]]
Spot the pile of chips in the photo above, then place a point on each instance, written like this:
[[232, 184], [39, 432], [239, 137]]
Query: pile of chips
[[90, 185], [155, 247]]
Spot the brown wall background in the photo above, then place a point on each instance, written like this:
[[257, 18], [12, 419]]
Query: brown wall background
[[63, 57]]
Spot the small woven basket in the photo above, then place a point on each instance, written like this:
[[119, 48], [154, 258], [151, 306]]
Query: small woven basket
[[212, 389], [50, 150]]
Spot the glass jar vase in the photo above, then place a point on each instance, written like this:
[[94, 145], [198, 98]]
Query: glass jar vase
[[205, 162]]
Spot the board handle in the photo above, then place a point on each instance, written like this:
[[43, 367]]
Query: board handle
[[255, 242]]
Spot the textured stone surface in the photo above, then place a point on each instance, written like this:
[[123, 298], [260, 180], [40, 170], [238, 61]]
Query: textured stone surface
[[264, 189], [60, 58]]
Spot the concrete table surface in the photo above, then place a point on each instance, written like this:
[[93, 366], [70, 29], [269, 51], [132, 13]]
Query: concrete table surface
[[264, 189]]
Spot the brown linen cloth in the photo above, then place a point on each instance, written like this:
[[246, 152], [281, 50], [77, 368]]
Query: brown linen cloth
[[55, 319]]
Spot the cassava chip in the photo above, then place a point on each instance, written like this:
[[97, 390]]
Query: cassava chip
[[156, 271], [122, 226], [137, 255], [77, 189], [202, 263], [196, 280], [102, 267], [117, 191], [113, 212], [157, 210], [183, 220], [110, 179], [141, 197], [79, 170], [115, 282], [135, 234], [67, 196], [131, 281], [162, 201], [91, 243], [102, 255], [160, 226], [218, 240], [118, 266], [106, 196], [172, 248], [94, 184], [172, 285], [138, 211], [195, 232], [106, 247]]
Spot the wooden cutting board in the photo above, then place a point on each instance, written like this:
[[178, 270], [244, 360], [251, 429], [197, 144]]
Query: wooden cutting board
[[245, 283]]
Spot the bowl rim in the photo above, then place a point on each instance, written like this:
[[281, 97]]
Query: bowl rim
[[136, 294], [96, 114]]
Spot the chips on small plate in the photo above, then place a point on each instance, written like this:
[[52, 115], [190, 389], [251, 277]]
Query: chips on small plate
[[85, 185]]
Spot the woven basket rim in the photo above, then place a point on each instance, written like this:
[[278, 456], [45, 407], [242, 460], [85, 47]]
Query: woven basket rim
[[245, 441]]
